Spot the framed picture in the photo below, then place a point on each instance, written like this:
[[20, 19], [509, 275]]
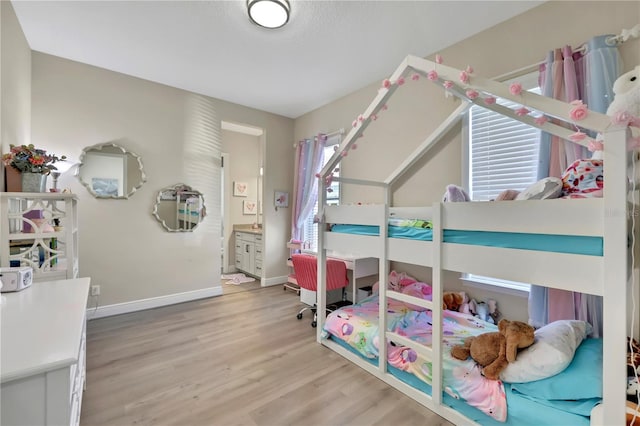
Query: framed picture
[[249, 207], [240, 189], [281, 199], [105, 186]]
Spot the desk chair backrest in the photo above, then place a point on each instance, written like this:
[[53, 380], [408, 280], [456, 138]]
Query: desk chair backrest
[[305, 268]]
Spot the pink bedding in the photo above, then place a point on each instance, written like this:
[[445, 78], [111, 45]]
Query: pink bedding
[[357, 325]]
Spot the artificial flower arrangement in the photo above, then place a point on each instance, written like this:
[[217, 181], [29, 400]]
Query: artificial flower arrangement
[[29, 159]]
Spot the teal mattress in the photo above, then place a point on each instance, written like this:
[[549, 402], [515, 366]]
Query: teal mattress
[[570, 244], [522, 411]]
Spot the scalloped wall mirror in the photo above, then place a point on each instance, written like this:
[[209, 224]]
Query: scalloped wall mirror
[[179, 208], [108, 170]]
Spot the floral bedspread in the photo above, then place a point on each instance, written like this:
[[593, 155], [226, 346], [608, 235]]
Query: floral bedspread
[[357, 325]]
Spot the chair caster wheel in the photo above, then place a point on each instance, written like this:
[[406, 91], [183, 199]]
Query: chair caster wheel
[[314, 324], [299, 316]]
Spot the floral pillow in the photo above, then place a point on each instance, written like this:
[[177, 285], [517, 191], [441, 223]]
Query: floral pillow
[[583, 179]]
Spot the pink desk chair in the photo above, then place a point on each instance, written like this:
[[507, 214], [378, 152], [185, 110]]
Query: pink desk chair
[[305, 268]]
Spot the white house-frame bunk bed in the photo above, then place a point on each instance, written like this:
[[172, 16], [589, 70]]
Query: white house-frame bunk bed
[[606, 217]]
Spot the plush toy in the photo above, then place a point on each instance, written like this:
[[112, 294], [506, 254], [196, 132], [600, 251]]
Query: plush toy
[[493, 351], [455, 193], [626, 90], [452, 300], [486, 311], [625, 107]]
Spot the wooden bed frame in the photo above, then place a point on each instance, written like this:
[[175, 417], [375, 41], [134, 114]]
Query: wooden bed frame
[[606, 217]]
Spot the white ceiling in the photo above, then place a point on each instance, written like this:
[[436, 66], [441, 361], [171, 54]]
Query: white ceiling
[[327, 50]]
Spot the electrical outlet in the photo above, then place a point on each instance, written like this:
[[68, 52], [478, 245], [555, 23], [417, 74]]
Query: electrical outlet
[[95, 290]]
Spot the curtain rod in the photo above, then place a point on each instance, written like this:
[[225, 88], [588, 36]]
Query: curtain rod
[[624, 35]]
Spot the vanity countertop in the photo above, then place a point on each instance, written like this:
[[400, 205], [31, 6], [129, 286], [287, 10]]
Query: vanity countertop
[[248, 229]]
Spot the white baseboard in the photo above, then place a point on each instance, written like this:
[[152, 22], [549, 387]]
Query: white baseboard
[[268, 282], [153, 302]]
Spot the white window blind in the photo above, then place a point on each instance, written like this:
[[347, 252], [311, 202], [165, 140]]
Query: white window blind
[[503, 154], [333, 197]]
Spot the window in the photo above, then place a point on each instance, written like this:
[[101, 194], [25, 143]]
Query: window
[[333, 197], [502, 154]]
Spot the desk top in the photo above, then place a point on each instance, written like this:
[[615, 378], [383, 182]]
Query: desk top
[[41, 327]]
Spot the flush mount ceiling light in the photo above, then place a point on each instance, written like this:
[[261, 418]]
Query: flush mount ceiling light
[[269, 13]]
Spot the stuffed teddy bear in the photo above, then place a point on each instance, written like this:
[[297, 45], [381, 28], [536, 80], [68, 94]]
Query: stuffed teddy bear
[[452, 300], [493, 351]]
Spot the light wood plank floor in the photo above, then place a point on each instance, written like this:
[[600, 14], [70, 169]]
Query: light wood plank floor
[[238, 359]]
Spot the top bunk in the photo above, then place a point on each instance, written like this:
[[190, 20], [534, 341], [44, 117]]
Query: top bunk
[[570, 237]]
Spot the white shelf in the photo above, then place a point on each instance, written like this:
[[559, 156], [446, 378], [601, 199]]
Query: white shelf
[[18, 248]]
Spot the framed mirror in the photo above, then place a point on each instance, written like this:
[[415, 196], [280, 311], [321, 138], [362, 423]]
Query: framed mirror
[[108, 170], [179, 208]]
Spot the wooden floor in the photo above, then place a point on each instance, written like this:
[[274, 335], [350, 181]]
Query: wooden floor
[[237, 359]]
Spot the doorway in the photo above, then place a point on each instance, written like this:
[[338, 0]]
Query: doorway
[[241, 203]]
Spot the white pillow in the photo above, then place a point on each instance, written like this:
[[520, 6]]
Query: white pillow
[[549, 187], [551, 352]]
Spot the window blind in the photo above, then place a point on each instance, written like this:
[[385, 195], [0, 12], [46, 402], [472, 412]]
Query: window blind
[[503, 153]]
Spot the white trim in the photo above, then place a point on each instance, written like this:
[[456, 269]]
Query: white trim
[[488, 285], [152, 302], [268, 282]]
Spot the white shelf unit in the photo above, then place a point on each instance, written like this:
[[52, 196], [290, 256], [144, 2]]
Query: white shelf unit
[[52, 255]]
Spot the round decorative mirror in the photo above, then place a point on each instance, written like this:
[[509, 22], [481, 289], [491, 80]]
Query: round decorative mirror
[[179, 208], [108, 170]]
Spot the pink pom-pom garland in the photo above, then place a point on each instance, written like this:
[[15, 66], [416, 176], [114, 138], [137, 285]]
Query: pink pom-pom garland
[[540, 121], [432, 75], [438, 59], [464, 77], [489, 100], [594, 146], [344, 153], [472, 94], [400, 81], [415, 77], [578, 111], [386, 83], [577, 136], [621, 117], [354, 146], [355, 123], [515, 89], [447, 84], [469, 70], [522, 111], [361, 118]]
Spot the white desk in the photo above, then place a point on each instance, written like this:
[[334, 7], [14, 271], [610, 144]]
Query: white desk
[[42, 360], [360, 267]]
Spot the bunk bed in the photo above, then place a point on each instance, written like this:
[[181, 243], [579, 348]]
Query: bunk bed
[[451, 244]]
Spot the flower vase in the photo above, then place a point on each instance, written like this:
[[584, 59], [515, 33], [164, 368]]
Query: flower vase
[[34, 182]]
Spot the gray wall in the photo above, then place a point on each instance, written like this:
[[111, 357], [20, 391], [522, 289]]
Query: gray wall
[[15, 83], [178, 136]]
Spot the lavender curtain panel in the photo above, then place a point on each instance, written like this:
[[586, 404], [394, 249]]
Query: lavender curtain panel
[[569, 75], [309, 159]]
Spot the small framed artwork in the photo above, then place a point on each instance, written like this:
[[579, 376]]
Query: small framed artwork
[[281, 199], [249, 207], [240, 189]]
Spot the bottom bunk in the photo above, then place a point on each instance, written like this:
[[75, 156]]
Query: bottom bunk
[[564, 398]]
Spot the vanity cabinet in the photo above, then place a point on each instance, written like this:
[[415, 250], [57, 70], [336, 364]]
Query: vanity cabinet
[[40, 230], [249, 253], [42, 367]]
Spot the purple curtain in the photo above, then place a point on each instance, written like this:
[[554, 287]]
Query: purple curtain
[[567, 75], [308, 161]]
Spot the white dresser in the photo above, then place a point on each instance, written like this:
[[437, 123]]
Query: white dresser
[[249, 252], [42, 364]]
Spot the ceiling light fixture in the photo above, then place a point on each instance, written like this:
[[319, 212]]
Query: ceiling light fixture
[[269, 13]]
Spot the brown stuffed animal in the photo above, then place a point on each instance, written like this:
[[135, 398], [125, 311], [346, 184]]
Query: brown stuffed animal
[[452, 300], [493, 351]]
